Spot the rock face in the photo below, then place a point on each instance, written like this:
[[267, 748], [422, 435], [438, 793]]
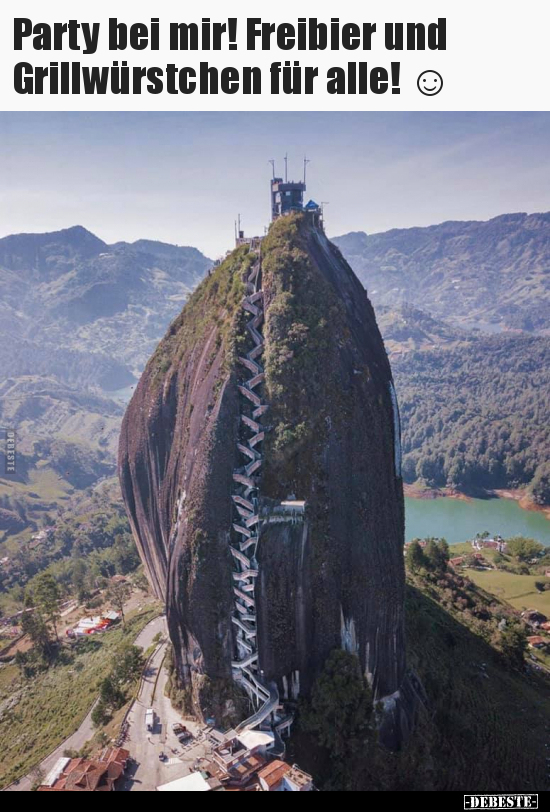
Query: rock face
[[332, 579]]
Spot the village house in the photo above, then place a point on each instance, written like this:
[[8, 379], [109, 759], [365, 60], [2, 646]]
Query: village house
[[40, 537], [94, 625], [534, 618], [87, 775], [537, 642], [278, 776], [194, 782], [296, 780], [239, 763], [496, 543]]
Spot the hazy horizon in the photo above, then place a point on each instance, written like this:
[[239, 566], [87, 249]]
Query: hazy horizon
[[184, 177]]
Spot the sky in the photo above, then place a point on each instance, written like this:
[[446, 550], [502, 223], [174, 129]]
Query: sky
[[184, 177]]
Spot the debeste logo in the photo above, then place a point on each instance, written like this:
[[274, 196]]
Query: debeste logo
[[501, 801]]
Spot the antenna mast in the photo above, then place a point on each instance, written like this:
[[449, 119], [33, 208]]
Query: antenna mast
[[306, 162], [272, 162], [286, 167]]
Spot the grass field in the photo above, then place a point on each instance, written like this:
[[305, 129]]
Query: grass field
[[517, 590], [37, 714]]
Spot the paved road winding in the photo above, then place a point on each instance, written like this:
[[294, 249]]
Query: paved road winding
[[86, 729]]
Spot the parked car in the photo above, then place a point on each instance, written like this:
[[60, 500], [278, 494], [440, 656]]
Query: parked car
[[182, 733]]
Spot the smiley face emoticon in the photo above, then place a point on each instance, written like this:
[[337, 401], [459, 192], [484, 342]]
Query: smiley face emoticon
[[430, 83]]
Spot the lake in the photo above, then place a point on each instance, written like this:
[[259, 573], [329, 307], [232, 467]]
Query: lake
[[458, 520]]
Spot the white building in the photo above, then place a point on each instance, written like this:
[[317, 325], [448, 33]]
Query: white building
[[194, 782]]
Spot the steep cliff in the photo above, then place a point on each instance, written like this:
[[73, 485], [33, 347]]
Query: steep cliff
[[334, 577]]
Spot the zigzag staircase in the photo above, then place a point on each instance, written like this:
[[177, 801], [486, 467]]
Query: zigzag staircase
[[246, 525]]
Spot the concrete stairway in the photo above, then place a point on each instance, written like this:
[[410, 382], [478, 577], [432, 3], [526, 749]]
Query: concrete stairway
[[246, 526]]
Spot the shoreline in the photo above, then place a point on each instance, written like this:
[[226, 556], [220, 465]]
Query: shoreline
[[519, 495]]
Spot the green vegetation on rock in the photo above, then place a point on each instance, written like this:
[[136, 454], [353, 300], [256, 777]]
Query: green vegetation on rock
[[213, 305], [305, 325]]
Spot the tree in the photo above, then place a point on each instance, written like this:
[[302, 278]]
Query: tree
[[436, 553], [414, 557], [78, 578], [35, 626], [46, 597], [110, 692], [513, 642], [140, 581], [100, 714], [444, 552], [129, 665], [125, 555], [37, 776], [118, 593], [523, 548], [21, 661], [540, 485], [340, 709]]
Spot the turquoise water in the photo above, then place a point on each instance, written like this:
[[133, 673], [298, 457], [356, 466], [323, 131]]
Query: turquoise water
[[457, 520]]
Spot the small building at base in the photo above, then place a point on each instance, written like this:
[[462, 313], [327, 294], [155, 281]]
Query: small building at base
[[194, 782]]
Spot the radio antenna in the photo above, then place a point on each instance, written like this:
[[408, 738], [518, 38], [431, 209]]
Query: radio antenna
[[306, 162]]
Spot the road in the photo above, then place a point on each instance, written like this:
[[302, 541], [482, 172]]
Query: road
[[86, 729], [148, 772]]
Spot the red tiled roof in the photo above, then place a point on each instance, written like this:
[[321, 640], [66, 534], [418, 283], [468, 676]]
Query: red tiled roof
[[118, 754], [274, 773], [247, 767], [94, 775]]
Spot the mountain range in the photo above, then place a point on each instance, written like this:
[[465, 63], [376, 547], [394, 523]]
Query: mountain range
[[89, 312], [78, 320], [80, 317], [492, 275]]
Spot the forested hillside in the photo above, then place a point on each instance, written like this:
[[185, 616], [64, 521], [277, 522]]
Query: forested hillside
[[471, 366], [475, 413]]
